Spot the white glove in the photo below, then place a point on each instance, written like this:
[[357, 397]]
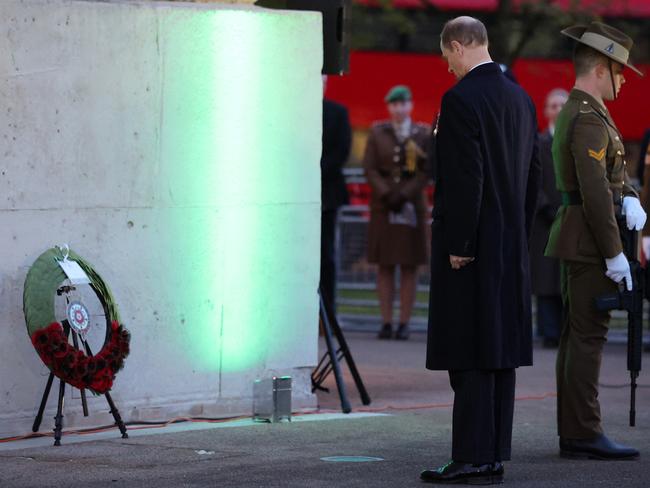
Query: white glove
[[618, 269], [645, 243], [634, 214]]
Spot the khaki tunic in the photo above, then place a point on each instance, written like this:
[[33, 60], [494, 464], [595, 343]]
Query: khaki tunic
[[385, 164], [589, 159]]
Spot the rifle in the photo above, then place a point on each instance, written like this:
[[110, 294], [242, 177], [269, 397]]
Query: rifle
[[632, 302]]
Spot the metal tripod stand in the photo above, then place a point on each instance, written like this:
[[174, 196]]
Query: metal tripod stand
[[331, 360], [58, 419]]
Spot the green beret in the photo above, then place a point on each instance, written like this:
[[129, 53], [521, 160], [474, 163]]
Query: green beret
[[399, 93]]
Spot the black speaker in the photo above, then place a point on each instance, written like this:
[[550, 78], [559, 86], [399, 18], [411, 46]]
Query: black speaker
[[336, 25]]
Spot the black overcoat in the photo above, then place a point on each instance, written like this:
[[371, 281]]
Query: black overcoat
[[545, 271], [487, 184], [337, 139]]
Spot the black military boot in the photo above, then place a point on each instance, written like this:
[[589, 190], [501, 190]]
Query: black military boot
[[403, 332], [597, 448], [386, 331]]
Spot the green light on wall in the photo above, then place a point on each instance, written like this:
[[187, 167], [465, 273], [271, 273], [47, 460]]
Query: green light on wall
[[241, 143]]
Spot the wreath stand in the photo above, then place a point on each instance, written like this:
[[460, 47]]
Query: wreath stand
[[58, 419]]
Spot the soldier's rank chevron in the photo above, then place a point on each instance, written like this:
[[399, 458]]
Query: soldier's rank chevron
[[598, 156]]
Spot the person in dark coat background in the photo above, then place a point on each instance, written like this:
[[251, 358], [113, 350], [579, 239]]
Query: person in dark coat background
[[644, 179], [640, 169], [480, 326], [645, 201], [545, 271], [337, 139]]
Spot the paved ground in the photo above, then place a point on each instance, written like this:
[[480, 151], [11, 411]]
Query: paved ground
[[415, 434]]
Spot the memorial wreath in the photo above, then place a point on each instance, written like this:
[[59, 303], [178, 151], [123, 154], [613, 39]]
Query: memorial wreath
[[67, 362]]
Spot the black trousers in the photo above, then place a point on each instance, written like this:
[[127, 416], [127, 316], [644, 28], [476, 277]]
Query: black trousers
[[484, 403], [328, 256], [549, 316]]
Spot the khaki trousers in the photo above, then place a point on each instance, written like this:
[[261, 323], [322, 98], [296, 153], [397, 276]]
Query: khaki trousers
[[584, 332]]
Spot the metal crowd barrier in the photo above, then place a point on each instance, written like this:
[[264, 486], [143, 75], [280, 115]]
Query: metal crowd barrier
[[356, 298]]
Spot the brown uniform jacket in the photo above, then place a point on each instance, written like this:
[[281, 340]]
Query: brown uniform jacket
[[589, 160], [385, 163]]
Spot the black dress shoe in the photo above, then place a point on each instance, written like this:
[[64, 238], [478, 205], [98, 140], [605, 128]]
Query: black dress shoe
[[386, 331], [598, 448], [403, 332], [454, 473]]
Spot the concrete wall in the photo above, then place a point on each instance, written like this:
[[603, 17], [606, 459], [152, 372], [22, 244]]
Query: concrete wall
[[176, 147]]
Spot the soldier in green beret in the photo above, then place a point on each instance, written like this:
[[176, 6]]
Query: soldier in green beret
[[589, 160], [396, 166], [399, 93]]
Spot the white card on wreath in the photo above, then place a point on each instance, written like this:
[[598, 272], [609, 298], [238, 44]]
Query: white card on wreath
[[73, 271]]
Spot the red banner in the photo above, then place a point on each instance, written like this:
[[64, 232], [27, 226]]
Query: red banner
[[372, 74], [611, 8]]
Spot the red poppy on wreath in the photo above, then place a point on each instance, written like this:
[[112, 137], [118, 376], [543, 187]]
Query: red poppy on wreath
[[96, 372]]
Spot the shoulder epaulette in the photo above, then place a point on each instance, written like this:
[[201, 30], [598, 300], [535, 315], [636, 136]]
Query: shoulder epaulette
[[586, 108]]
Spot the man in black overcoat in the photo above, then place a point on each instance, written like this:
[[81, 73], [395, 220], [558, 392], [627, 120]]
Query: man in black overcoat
[[337, 139], [488, 178]]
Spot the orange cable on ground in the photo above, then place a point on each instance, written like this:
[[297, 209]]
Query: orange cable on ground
[[132, 426], [144, 426], [437, 405]]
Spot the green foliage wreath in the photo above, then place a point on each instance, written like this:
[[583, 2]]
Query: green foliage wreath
[[76, 367]]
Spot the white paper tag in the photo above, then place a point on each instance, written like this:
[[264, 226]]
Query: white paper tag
[[73, 271], [406, 216]]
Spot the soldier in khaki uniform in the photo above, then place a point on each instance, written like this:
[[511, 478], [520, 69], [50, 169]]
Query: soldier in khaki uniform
[[589, 160], [395, 163]]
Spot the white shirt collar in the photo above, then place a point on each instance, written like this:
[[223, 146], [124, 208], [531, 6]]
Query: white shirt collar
[[403, 130], [480, 64]]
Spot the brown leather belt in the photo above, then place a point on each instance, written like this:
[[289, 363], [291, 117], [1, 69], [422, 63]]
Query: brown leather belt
[[574, 198]]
